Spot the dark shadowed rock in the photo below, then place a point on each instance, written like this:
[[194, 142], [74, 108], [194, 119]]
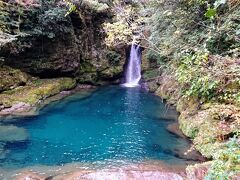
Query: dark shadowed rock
[[50, 44]]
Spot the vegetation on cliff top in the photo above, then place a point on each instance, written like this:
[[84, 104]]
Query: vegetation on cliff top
[[193, 48], [196, 50]]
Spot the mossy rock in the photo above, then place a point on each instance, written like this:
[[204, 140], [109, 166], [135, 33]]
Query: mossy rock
[[36, 91], [11, 78], [211, 127], [113, 58], [87, 67], [152, 86], [88, 78], [167, 88], [111, 73], [208, 149], [151, 74], [188, 126], [190, 103], [49, 88], [145, 61]]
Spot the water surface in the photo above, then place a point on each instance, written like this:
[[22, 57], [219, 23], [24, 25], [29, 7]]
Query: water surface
[[114, 125]]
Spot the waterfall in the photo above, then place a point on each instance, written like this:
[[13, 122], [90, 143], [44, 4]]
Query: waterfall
[[133, 73]]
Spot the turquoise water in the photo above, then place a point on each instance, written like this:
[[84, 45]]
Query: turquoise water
[[113, 125]]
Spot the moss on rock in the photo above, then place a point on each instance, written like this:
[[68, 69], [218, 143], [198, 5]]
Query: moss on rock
[[186, 103], [89, 78], [211, 128], [11, 78], [197, 171], [151, 74], [36, 91], [111, 73], [167, 88]]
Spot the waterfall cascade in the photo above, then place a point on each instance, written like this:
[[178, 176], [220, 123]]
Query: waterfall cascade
[[133, 72]]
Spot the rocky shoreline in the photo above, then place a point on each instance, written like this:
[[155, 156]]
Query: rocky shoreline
[[31, 108], [145, 170], [201, 123]]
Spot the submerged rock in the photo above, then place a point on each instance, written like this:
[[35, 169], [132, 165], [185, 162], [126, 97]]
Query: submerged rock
[[103, 175], [12, 133], [119, 175], [29, 175], [132, 175], [3, 151], [174, 128]]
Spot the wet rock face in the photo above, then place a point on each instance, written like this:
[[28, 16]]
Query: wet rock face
[[50, 44], [45, 57], [47, 46]]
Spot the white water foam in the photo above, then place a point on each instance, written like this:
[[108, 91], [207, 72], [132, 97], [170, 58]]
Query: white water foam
[[133, 73]]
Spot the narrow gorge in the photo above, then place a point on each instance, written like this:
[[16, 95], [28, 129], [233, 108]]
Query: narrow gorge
[[109, 89]]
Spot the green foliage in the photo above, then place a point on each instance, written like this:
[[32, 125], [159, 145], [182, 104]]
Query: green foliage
[[202, 87], [238, 98], [226, 161], [151, 74], [224, 40], [113, 57], [117, 33], [126, 24], [230, 96], [211, 13], [156, 59], [212, 10], [52, 21], [194, 82], [86, 5], [219, 43], [181, 25], [71, 7]]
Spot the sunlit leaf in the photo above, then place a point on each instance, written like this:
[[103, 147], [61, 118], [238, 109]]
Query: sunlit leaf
[[211, 13]]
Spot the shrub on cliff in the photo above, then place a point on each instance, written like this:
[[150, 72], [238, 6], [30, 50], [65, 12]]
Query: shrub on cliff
[[226, 163]]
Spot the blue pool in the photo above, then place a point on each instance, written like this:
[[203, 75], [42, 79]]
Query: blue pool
[[113, 125]]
